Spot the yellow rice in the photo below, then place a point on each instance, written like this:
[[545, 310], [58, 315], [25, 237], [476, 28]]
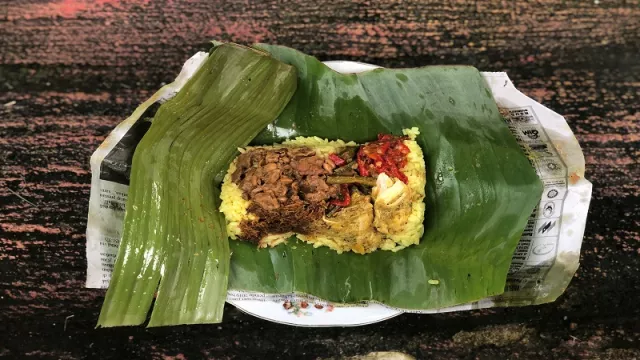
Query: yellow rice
[[234, 207]]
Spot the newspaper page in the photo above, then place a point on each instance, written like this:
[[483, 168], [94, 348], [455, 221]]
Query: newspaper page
[[545, 259]]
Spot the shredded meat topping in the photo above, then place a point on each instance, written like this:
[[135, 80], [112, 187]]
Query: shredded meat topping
[[287, 188]]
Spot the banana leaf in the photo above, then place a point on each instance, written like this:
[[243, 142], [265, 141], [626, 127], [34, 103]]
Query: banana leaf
[[174, 239], [480, 187]]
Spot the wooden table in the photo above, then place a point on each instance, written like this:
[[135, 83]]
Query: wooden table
[[70, 70]]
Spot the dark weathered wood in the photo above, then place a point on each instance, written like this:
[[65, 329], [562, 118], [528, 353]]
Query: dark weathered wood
[[74, 69]]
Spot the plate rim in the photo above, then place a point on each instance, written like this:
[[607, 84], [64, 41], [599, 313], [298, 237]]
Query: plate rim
[[344, 67]]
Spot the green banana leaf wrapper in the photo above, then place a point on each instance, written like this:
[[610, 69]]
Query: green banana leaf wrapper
[[480, 188], [174, 239]]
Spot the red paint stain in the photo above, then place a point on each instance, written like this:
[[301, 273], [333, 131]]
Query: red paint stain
[[541, 94], [616, 191], [72, 8], [68, 121], [612, 162], [28, 228], [76, 96], [604, 138], [49, 287], [62, 168], [53, 187], [73, 169], [177, 357], [527, 59], [239, 31]]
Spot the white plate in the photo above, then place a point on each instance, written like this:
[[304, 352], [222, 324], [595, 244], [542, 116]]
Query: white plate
[[273, 309]]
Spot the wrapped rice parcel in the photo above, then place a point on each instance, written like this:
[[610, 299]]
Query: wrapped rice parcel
[[452, 231]]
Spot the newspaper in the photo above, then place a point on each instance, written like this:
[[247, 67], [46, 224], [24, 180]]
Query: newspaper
[[542, 266]]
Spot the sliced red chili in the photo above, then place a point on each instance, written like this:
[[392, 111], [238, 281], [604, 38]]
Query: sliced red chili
[[385, 137], [337, 159], [362, 165], [386, 155], [383, 148], [345, 197]]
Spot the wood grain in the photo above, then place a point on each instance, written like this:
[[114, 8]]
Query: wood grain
[[70, 70]]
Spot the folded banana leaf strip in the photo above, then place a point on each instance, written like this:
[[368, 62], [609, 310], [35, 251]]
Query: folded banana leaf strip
[[174, 240], [481, 189]]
